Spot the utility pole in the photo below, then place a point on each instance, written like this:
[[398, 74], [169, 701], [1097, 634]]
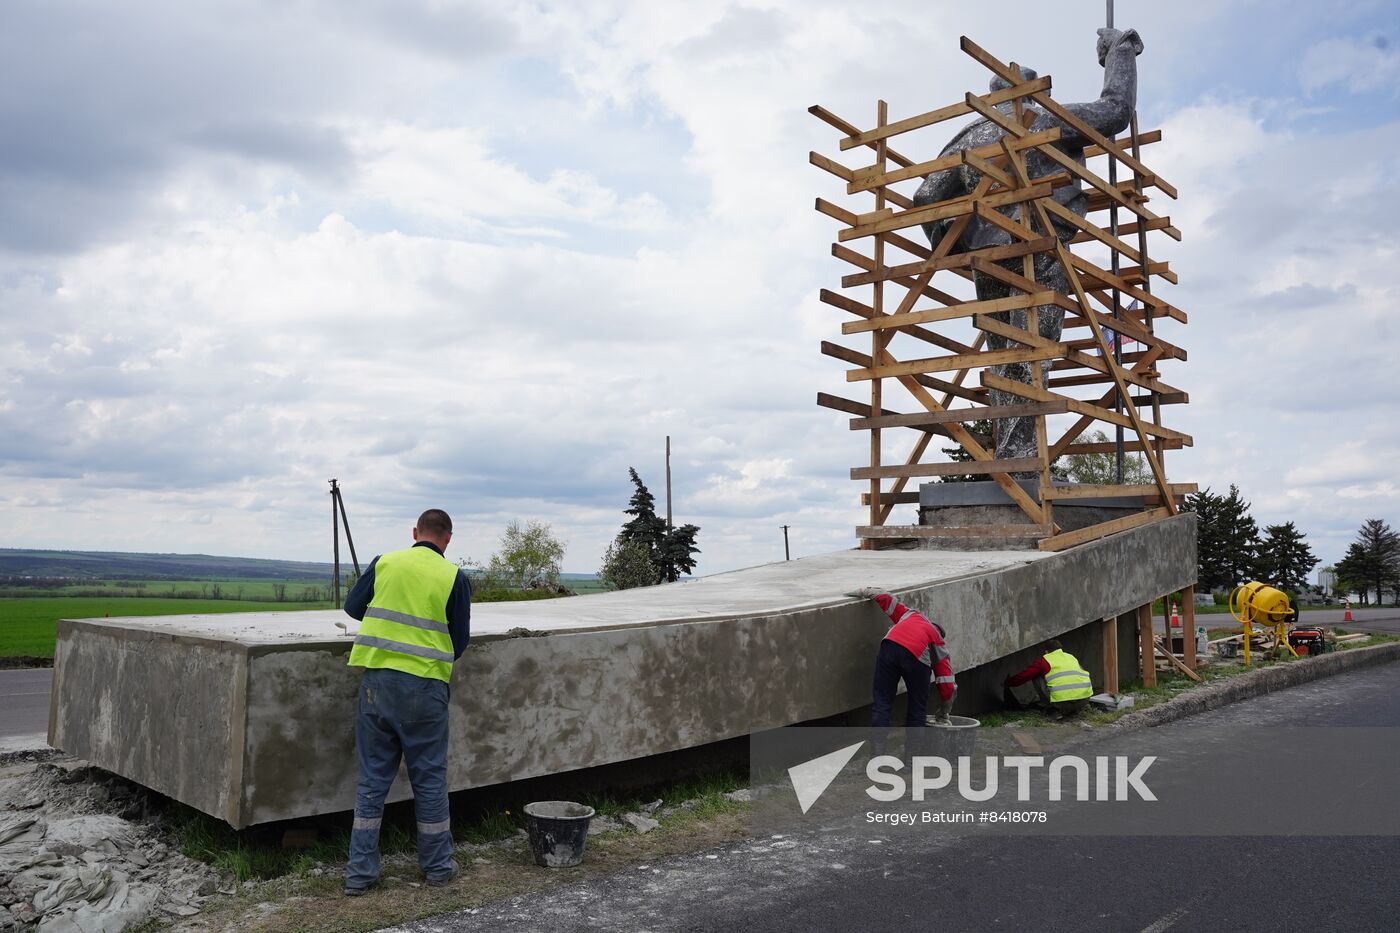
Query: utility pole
[[335, 546], [338, 518], [668, 482], [787, 552]]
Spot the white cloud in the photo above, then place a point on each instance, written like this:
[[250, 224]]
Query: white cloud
[[490, 263], [1355, 64]]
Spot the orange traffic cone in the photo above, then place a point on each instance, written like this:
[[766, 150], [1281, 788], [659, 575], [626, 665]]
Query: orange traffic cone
[[1176, 619], [1346, 616]]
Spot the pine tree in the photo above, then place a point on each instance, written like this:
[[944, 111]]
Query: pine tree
[[1210, 573], [1227, 539], [981, 431], [671, 551], [646, 527], [1285, 560], [1377, 559]]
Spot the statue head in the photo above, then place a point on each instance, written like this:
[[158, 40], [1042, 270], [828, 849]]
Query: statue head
[[1000, 83]]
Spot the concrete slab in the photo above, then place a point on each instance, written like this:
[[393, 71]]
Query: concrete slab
[[250, 718]]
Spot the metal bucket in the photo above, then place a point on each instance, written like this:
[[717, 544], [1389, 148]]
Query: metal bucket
[[954, 738], [558, 830]]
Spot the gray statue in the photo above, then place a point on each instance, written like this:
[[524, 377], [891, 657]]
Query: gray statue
[[1109, 115]]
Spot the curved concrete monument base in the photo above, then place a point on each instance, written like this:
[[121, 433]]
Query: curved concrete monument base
[[250, 718]]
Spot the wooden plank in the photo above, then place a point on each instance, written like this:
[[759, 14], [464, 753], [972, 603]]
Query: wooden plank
[[936, 364], [1124, 229], [871, 177], [1147, 667], [1076, 406], [1151, 136], [1098, 492], [941, 211], [1188, 624], [1032, 509], [850, 129], [1131, 447], [1010, 251], [960, 415], [846, 175], [1152, 459], [1110, 656], [1069, 539], [1056, 110], [1014, 128], [1113, 281], [937, 531], [1172, 659], [959, 310], [1090, 230], [1072, 435], [837, 300], [943, 113], [889, 498], [849, 406], [928, 291], [989, 168], [844, 354], [969, 468]]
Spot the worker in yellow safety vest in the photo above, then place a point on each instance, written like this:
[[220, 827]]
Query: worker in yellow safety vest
[[1054, 682], [414, 608]]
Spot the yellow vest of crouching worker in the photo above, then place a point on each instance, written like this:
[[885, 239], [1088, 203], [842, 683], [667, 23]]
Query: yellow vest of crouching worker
[[405, 626], [1066, 680]]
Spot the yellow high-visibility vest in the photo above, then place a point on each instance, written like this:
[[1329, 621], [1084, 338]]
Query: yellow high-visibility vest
[[405, 627], [1067, 680]]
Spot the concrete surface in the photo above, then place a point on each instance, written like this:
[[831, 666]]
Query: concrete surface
[[250, 719], [947, 881], [24, 701]]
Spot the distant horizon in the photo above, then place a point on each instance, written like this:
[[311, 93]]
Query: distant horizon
[[345, 563]]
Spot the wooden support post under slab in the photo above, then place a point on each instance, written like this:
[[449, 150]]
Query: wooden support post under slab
[[1147, 661], [1110, 655], [1188, 626]]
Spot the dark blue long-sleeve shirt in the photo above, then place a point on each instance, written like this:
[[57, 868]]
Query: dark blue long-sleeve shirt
[[459, 604]]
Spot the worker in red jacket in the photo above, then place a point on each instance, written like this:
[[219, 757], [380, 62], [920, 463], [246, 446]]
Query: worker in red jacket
[[912, 651]]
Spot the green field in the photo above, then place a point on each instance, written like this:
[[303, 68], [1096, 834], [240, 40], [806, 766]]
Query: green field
[[27, 625]]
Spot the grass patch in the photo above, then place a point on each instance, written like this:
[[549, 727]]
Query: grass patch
[[27, 625]]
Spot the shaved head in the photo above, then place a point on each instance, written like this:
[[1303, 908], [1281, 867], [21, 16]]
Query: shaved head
[[434, 524]]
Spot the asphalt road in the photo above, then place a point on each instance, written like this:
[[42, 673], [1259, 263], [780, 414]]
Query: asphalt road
[[1384, 619], [24, 701], [1137, 884]]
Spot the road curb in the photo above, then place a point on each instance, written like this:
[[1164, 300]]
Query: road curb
[[1257, 683]]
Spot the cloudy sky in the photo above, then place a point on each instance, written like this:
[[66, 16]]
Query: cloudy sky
[[486, 256]]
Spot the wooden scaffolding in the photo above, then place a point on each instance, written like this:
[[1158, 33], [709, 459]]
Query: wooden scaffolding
[[1091, 378]]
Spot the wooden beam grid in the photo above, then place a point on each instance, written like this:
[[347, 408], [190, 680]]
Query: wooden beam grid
[[906, 304]]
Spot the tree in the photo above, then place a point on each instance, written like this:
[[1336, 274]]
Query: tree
[[1372, 562], [529, 557], [981, 431], [675, 555], [627, 564], [1102, 469], [1227, 539], [671, 550], [1285, 560]]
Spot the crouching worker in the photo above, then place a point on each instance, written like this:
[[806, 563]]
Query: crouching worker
[[1054, 683], [415, 610], [912, 651]]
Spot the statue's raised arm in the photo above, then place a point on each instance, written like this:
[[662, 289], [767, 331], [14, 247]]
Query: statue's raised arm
[[1113, 111]]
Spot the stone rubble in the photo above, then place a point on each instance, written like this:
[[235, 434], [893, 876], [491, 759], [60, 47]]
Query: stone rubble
[[78, 854]]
